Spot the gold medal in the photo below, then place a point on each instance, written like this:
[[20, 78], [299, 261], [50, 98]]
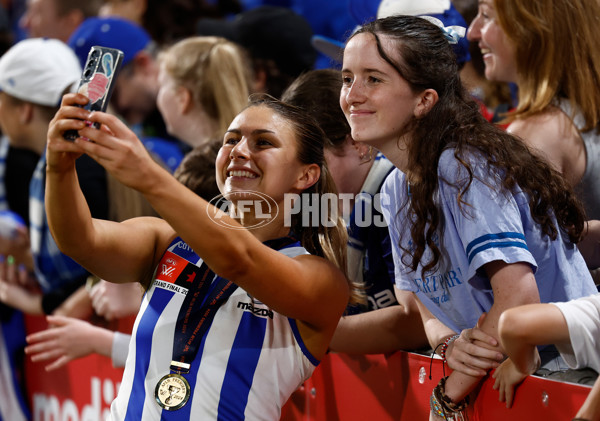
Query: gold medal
[[172, 392]]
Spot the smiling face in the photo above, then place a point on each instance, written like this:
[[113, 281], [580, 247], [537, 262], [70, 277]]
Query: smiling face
[[376, 100], [497, 49], [259, 153]]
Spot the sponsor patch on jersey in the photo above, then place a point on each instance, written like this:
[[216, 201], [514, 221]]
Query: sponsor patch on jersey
[[257, 311]]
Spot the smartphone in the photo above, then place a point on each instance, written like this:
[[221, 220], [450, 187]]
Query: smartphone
[[98, 80]]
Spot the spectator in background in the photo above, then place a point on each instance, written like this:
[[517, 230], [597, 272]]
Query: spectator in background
[[497, 96], [478, 222], [136, 89], [390, 321], [367, 10], [203, 86], [277, 39], [558, 112], [169, 21], [33, 76], [57, 18]]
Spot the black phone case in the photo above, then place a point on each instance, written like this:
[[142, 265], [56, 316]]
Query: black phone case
[[98, 80]]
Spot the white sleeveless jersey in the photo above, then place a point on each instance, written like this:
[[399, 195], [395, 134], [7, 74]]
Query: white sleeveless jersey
[[249, 362]]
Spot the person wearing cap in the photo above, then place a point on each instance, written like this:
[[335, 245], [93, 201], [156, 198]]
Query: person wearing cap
[[56, 18], [34, 74], [277, 39], [136, 88]]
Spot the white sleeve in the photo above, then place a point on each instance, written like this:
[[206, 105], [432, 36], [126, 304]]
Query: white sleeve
[[583, 320], [120, 349]]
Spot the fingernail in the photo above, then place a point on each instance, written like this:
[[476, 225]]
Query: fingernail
[[10, 260]]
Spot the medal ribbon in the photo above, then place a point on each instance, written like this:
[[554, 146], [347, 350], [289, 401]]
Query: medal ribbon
[[197, 313], [200, 306]]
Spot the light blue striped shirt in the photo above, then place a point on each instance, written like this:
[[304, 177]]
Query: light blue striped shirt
[[496, 226]]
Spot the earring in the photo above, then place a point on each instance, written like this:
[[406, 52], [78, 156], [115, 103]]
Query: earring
[[367, 157]]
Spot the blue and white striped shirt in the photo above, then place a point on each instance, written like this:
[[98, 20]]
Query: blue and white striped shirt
[[249, 361]]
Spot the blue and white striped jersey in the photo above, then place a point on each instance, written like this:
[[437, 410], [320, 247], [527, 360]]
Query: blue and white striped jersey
[[249, 362]]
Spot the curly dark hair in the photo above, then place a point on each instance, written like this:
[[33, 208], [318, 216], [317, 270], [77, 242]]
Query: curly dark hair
[[424, 58]]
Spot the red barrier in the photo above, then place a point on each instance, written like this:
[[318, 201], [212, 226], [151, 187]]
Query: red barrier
[[80, 391], [397, 387], [346, 388]]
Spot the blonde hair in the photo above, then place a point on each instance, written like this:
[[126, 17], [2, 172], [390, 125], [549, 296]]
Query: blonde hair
[[213, 70], [556, 53]]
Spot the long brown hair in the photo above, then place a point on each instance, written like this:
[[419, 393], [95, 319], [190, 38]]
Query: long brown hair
[[325, 241], [424, 58]]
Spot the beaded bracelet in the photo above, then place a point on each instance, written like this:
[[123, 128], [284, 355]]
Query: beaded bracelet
[[438, 410], [435, 406], [445, 346]]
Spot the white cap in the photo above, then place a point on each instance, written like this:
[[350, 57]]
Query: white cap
[[39, 70], [411, 7]]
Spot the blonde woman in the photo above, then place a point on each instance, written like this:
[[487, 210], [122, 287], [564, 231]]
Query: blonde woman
[[203, 86]]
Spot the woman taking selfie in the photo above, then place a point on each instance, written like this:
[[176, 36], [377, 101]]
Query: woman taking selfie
[[234, 319]]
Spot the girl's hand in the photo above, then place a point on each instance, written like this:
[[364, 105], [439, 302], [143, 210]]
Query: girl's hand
[[474, 352], [507, 378], [65, 340], [60, 153], [113, 301]]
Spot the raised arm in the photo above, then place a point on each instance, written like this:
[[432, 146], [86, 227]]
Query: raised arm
[[295, 287], [119, 252]]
